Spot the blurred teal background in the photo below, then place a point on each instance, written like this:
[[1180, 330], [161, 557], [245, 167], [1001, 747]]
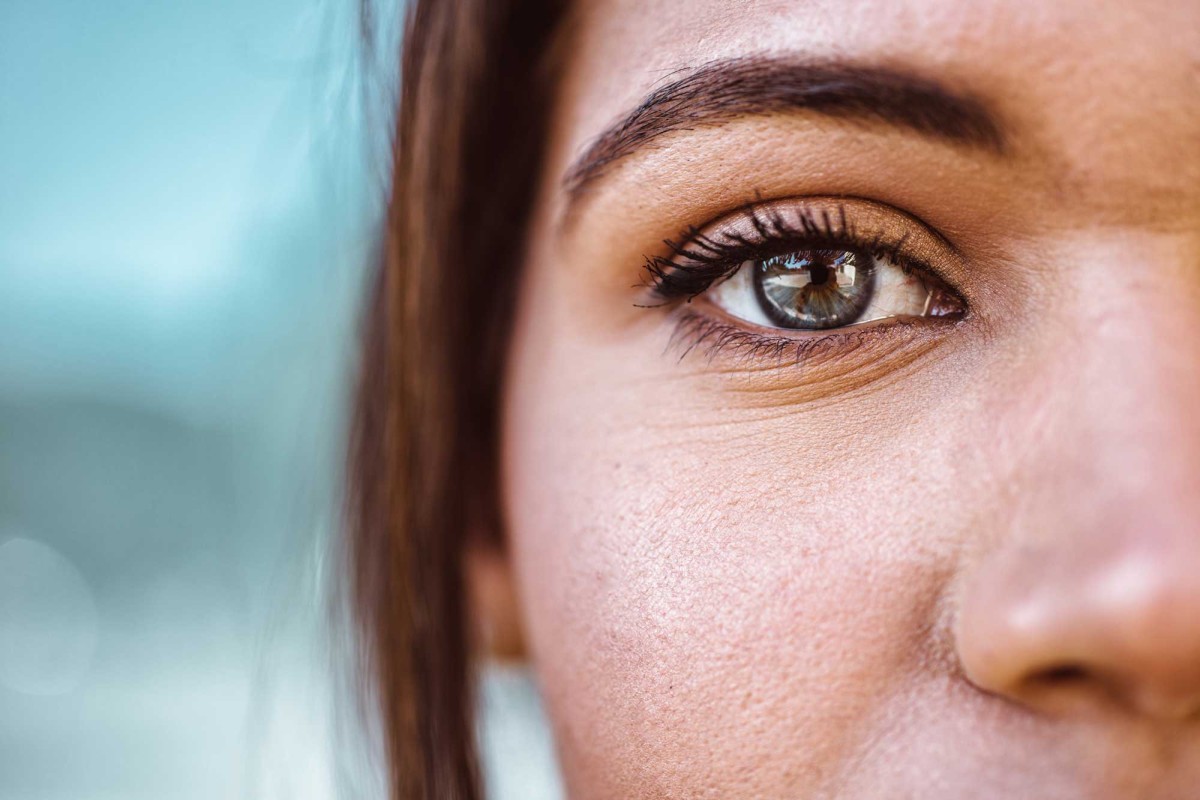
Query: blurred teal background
[[188, 202], [190, 197]]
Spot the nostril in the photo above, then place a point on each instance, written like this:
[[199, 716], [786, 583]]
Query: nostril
[[1067, 686], [1060, 675], [1062, 686]]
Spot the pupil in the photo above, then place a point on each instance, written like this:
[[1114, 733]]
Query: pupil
[[819, 274]]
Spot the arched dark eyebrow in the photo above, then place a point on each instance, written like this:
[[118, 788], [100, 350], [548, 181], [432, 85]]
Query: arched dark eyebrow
[[722, 90]]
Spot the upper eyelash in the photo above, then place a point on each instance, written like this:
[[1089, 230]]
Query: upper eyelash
[[696, 261]]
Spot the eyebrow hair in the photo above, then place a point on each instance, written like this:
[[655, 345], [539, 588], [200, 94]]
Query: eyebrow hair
[[720, 91]]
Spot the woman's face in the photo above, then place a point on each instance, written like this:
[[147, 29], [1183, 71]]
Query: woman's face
[[905, 500]]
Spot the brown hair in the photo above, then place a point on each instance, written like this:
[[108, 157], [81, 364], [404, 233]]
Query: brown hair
[[469, 140]]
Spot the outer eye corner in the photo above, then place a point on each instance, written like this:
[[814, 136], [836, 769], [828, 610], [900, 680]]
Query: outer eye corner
[[944, 303]]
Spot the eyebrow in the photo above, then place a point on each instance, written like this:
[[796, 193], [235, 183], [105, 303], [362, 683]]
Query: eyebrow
[[721, 91]]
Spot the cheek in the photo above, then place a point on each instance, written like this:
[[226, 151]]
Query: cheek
[[725, 595]]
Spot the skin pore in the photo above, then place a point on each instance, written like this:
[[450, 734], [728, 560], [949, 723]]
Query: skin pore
[[928, 558]]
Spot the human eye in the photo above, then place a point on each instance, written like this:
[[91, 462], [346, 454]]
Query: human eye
[[806, 268]]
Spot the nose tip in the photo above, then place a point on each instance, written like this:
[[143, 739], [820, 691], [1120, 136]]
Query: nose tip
[[1058, 636]]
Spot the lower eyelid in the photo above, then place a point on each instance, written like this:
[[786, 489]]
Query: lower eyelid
[[713, 333], [750, 370]]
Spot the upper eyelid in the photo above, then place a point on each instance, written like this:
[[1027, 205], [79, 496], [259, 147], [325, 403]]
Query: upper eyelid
[[918, 245], [841, 236], [763, 206]]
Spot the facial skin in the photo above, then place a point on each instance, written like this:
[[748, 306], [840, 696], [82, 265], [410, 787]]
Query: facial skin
[[948, 559]]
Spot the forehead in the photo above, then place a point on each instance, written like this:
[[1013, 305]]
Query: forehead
[[1102, 96]]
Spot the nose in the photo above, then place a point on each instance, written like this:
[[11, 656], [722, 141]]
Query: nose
[[1060, 631], [1087, 594]]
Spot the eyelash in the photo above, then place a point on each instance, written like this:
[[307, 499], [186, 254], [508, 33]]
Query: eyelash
[[696, 262], [701, 331]]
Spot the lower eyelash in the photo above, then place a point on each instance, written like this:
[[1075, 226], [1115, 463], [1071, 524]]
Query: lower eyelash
[[695, 330]]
